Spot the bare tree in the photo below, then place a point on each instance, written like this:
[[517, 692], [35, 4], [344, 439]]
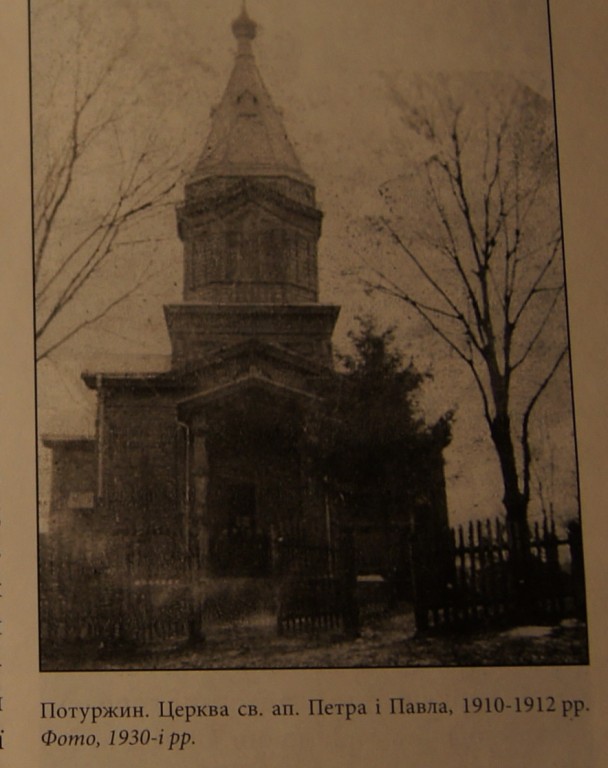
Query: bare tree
[[96, 178], [476, 221]]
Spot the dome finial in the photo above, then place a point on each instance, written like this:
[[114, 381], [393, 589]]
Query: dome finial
[[244, 29]]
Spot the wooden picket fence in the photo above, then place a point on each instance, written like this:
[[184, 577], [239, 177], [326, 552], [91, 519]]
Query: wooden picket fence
[[111, 618], [317, 588], [485, 573], [88, 600]]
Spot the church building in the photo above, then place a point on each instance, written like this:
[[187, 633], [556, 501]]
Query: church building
[[208, 465]]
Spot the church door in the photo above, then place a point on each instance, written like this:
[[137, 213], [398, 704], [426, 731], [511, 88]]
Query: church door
[[239, 547]]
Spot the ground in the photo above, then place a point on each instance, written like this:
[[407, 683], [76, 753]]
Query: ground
[[388, 641]]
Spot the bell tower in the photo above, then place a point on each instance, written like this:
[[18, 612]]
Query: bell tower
[[250, 226]]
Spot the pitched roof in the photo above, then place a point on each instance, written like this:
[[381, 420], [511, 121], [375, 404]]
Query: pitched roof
[[248, 352], [247, 136]]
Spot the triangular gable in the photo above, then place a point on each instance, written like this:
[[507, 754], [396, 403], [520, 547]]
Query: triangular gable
[[223, 367], [251, 194], [252, 384], [255, 360]]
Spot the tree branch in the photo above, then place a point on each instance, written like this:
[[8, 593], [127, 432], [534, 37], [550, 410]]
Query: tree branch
[[90, 321]]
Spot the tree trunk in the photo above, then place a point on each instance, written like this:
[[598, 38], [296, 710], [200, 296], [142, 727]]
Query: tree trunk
[[516, 506], [514, 500]]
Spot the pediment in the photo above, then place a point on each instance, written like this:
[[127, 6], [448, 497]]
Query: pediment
[[251, 366], [252, 216], [254, 360], [249, 389], [251, 373], [227, 370], [247, 198]]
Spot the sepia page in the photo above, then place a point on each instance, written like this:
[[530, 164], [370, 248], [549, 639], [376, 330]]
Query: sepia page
[[302, 406]]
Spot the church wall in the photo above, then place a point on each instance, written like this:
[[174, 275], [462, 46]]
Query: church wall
[[138, 443], [74, 480]]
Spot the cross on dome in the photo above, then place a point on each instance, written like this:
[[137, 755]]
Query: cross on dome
[[244, 29]]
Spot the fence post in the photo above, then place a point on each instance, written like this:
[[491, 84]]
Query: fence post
[[196, 635], [555, 586], [420, 579], [575, 541], [350, 606]]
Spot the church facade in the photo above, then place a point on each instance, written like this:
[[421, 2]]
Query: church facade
[[208, 467]]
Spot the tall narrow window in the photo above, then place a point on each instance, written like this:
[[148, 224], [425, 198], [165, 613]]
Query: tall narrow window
[[232, 256]]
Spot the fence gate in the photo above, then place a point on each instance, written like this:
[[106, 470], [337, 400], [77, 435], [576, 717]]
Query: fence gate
[[317, 587]]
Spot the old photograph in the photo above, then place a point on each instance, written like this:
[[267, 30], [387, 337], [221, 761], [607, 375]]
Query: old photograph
[[304, 387]]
